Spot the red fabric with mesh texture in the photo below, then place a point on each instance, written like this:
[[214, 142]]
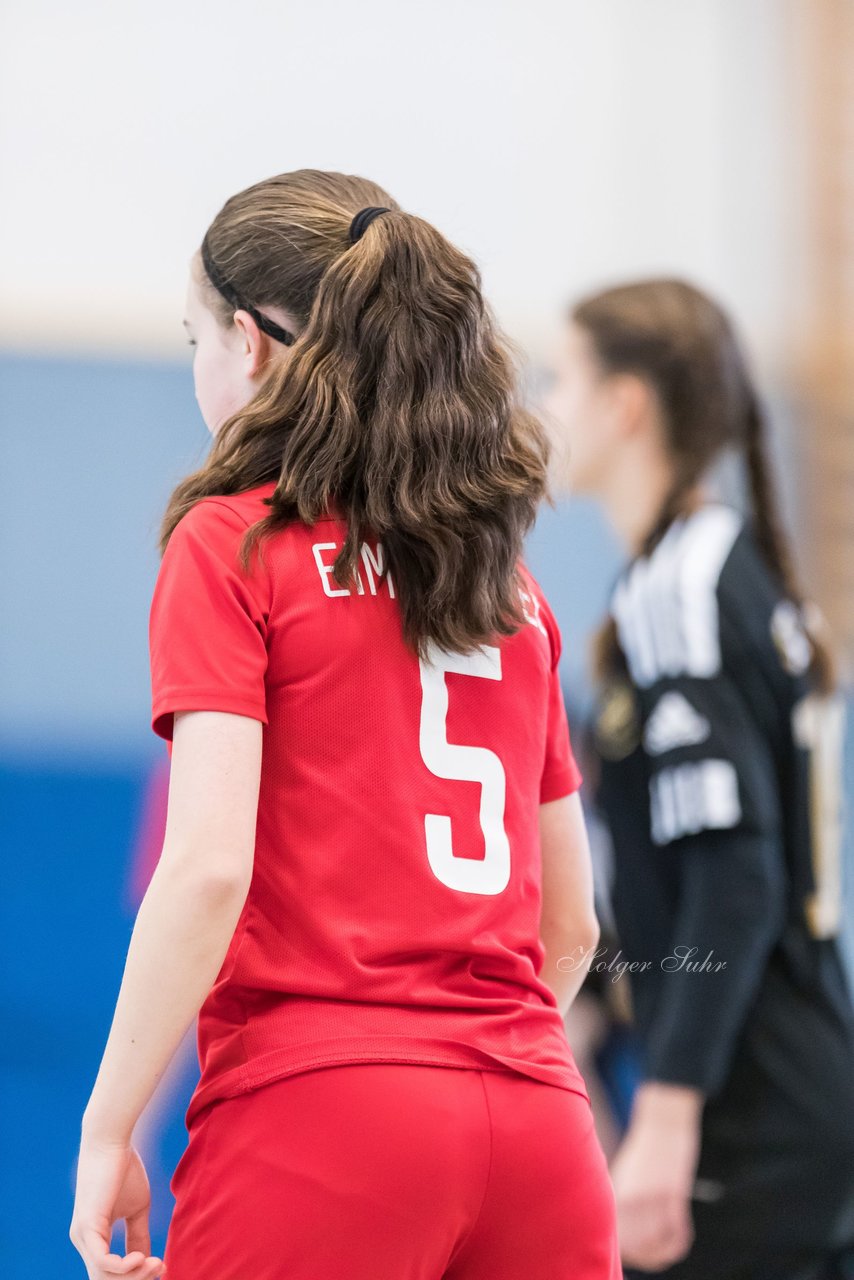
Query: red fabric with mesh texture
[[351, 947]]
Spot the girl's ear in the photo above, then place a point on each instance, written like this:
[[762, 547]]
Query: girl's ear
[[254, 346], [633, 403]]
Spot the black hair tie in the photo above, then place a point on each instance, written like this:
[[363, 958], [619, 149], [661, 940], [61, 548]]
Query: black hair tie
[[363, 220], [232, 297]]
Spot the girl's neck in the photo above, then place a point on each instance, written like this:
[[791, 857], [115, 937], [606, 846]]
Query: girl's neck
[[634, 495]]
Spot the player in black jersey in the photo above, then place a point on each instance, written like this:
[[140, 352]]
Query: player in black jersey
[[720, 744]]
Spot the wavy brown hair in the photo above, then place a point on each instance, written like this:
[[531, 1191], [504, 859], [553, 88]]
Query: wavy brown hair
[[397, 402], [683, 344]]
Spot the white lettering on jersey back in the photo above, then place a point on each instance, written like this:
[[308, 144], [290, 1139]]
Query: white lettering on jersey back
[[455, 761], [700, 796], [374, 566], [666, 607], [532, 613], [674, 723]]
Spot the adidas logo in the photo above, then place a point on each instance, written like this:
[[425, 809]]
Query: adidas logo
[[674, 723]]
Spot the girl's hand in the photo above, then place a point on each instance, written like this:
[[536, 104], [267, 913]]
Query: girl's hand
[[112, 1184], [653, 1176]]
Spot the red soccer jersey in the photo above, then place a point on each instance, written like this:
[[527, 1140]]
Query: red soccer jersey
[[393, 912]]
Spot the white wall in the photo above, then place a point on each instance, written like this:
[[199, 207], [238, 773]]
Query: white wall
[[562, 142]]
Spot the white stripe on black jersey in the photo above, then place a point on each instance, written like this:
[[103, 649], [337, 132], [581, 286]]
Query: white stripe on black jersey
[[666, 608]]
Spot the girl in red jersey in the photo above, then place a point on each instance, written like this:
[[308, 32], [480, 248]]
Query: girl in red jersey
[[375, 879]]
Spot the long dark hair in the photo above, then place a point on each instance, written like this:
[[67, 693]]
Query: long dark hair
[[684, 345], [397, 402]]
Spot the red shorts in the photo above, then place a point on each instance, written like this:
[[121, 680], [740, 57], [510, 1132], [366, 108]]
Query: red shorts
[[394, 1171]]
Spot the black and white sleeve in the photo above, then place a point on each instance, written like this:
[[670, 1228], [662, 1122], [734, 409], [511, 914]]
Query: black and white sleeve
[[713, 803], [715, 814]]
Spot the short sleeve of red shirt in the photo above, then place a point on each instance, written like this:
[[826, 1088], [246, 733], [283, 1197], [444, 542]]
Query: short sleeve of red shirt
[[561, 775], [207, 623]]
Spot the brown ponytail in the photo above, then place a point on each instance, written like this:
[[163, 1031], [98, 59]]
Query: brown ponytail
[[683, 344], [397, 401], [774, 544]]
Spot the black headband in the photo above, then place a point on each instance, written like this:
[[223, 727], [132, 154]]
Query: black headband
[[358, 227], [363, 220], [232, 297]]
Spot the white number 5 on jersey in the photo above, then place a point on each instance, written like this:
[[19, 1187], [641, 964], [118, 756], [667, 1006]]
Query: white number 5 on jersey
[[465, 764]]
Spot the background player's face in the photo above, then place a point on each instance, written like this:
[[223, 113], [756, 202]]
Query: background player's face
[[580, 416]]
